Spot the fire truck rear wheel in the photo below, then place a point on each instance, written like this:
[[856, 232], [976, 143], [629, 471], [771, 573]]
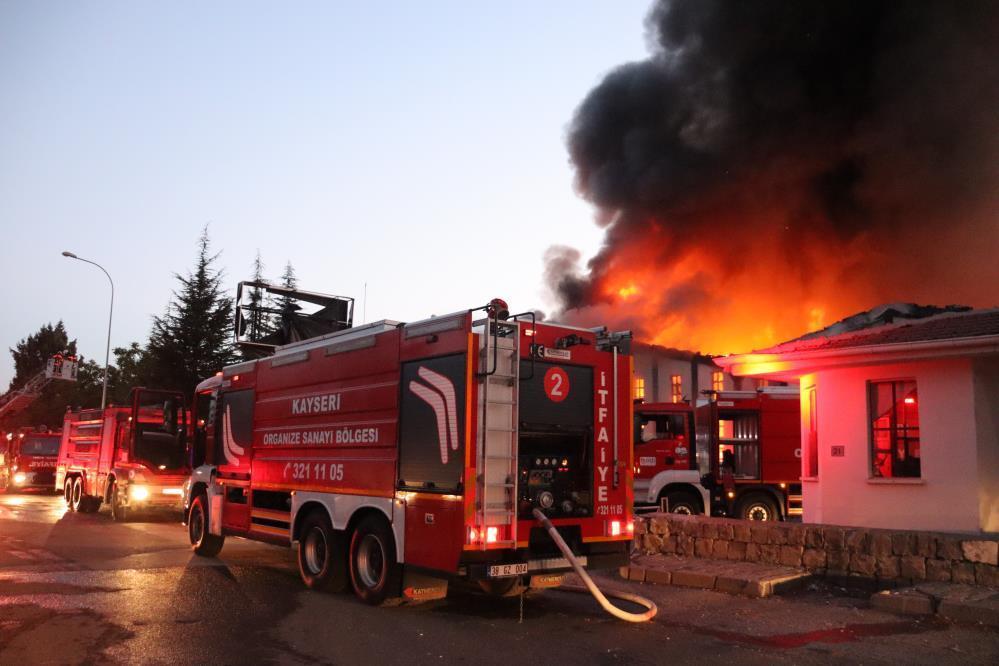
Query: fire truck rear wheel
[[758, 507], [322, 554], [76, 496], [374, 572], [203, 543], [503, 587]]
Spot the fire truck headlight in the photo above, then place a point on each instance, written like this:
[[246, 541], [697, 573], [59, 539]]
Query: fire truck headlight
[[615, 528], [731, 494], [492, 534], [139, 493], [630, 527], [473, 535], [20, 478]]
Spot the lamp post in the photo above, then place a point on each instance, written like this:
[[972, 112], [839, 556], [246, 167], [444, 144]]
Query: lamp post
[[107, 349]]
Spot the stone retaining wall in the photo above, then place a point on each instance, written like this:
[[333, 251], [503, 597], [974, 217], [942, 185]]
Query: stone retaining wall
[[890, 555]]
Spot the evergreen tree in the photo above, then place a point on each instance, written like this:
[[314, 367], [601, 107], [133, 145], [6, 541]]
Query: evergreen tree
[[193, 339], [289, 281], [259, 322], [133, 367]]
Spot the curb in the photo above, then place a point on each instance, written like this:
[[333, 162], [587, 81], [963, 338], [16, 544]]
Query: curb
[[957, 603], [750, 586]]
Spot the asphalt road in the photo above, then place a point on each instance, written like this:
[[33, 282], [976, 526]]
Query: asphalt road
[[82, 589]]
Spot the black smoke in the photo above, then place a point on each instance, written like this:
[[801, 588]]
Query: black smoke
[[829, 122]]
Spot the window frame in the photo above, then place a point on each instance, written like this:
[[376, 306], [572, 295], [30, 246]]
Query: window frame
[[893, 430], [638, 390], [717, 380], [676, 388]]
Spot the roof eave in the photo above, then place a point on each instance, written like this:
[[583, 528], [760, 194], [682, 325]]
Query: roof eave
[[784, 365]]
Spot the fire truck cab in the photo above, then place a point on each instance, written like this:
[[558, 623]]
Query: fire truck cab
[[743, 458], [28, 459], [399, 457], [132, 457]]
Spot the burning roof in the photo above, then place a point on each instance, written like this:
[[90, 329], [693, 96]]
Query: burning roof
[[943, 325], [773, 166]]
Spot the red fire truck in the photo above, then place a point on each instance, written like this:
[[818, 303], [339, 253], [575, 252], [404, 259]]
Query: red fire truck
[[742, 460], [28, 459], [131, 457], [403, 456]]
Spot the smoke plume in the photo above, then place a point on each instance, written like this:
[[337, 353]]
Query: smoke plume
[[775, 165]]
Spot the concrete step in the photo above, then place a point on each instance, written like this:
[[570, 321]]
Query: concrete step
[[732, 577], [959, 603]]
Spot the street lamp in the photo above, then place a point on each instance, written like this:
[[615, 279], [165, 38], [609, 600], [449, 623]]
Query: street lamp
[[107, 349]]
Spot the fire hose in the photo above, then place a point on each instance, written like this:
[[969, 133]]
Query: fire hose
[[591, 587]]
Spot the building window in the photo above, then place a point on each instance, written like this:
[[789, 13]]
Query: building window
[[639, 389], [676, 388], [812, 433], [894, 418], [718, 381]]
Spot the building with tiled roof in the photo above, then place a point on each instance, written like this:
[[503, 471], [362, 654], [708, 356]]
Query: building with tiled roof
[[900, 416]]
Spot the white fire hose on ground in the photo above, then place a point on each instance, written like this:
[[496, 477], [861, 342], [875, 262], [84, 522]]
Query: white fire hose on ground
[[592, 587]]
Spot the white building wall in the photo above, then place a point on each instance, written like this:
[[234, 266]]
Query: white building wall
[[945, 498]]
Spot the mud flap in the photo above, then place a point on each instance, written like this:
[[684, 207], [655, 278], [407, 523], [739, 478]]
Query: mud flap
[[543, 581], [215, 514], [417, 587]]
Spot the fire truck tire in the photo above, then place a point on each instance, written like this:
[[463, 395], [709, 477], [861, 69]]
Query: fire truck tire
[[680, 502], [89, 504], [203, 543], [67, 492], [503, 587], [374, 573], [119, 510], [322, 554], [76, 496], [758, 507]]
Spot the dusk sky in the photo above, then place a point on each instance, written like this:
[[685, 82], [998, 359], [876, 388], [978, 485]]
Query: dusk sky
[[415, 147]]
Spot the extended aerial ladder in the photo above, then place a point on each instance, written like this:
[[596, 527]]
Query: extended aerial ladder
[[58, 367]]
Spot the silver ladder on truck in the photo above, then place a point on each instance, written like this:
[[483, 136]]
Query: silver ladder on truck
[[498, 386]]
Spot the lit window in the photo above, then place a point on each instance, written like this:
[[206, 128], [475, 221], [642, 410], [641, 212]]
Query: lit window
[[639, 388], [894, 419], [718, 381], [676, 388]]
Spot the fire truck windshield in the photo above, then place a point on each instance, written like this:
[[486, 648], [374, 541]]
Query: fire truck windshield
[[159, 449], [40, 446]]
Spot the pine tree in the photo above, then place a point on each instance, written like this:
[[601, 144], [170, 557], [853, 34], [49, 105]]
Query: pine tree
[[258, 323], [289, 281], [193, 338]]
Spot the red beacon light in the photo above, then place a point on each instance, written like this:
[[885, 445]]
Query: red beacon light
[[498, 309]]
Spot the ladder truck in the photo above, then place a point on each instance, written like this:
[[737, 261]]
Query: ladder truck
[[400, 457], [58, 367], [28, 459]]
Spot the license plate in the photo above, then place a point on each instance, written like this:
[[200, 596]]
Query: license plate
[[504, 570]]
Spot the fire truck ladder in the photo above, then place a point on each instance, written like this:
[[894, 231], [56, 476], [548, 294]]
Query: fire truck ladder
[[20, 399], [499, 360]]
